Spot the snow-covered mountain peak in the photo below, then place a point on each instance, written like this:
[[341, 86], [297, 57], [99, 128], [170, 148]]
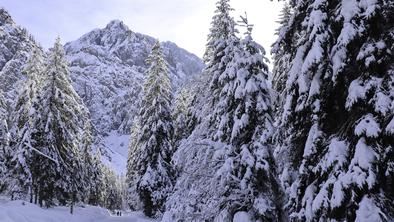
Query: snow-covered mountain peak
[[116, 42], [116, 24], [5, 17]]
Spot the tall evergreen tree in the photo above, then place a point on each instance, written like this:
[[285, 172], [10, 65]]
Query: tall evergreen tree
[[218, 49], [216, 57], [89, 170], [222, 26], [151, 162], [336, 130], [133, 199], [4, 143], [96, 191], [226, 164], [22, 162], [245, 123], [59, 123], [281, 56]]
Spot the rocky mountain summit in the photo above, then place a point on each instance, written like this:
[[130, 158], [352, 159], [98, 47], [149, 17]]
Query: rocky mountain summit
[[107, 67]]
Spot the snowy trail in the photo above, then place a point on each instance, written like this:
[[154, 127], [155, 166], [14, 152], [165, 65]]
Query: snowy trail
[[19, 211], [119, 219]]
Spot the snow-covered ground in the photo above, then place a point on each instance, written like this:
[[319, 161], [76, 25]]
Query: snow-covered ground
[[20, 211]]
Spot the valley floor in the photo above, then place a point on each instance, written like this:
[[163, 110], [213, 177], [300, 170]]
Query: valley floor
[[21, 211]]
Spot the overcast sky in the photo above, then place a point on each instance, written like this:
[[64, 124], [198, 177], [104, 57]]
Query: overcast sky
[[185, 22]]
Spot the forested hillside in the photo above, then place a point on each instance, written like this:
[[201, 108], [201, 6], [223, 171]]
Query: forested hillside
[[223, 138]]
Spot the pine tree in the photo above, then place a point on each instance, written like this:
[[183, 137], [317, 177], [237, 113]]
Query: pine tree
[[244, 121], [179, 115], [218, 49], [22, 162], [133, 199], [216, 56], [4, 143], [281, 55], [96, 191], [226, 165], [153, 151], [88, 170], [336, 130], [197, 110], [58, 129], [111, 195]]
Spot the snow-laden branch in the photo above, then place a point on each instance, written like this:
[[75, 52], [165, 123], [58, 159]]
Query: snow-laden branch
[[41, 153]]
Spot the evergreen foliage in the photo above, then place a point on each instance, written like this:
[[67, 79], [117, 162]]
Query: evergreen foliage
[[218, 53], [244, 116], [317, 146], [4, 143], [226, 164], [23, 116], [334, 132], [179, 115], [58, 128], [150, 164]]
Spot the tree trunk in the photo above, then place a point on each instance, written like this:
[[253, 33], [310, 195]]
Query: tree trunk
[[31, 195], [35, 194], [72, 207], [72, 203]]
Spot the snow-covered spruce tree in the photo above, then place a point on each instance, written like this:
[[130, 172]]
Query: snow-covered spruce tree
[[133, 200], [220, 39], [179, 115], [4, 143], [336, 131], [89, 169], [244, 121], [206, 89], [281, 55], [21, 179], [196, 195], [112, 193], [227, 155], [90, 166], [151, 162], [3, 116], [199, 95], [59, 123], [96, 192], [221, 33]]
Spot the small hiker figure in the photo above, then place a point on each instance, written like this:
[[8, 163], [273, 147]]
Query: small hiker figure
[[117, 213], [120, 213]]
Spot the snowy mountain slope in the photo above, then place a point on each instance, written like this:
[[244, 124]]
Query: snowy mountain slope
[[107, 68], [15, 46], [116, 147]]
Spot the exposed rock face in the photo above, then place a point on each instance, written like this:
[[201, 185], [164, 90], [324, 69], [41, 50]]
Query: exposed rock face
[[108, 65]]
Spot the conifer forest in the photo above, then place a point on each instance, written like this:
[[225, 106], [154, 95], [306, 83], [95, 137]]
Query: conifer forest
[[120, 122]]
